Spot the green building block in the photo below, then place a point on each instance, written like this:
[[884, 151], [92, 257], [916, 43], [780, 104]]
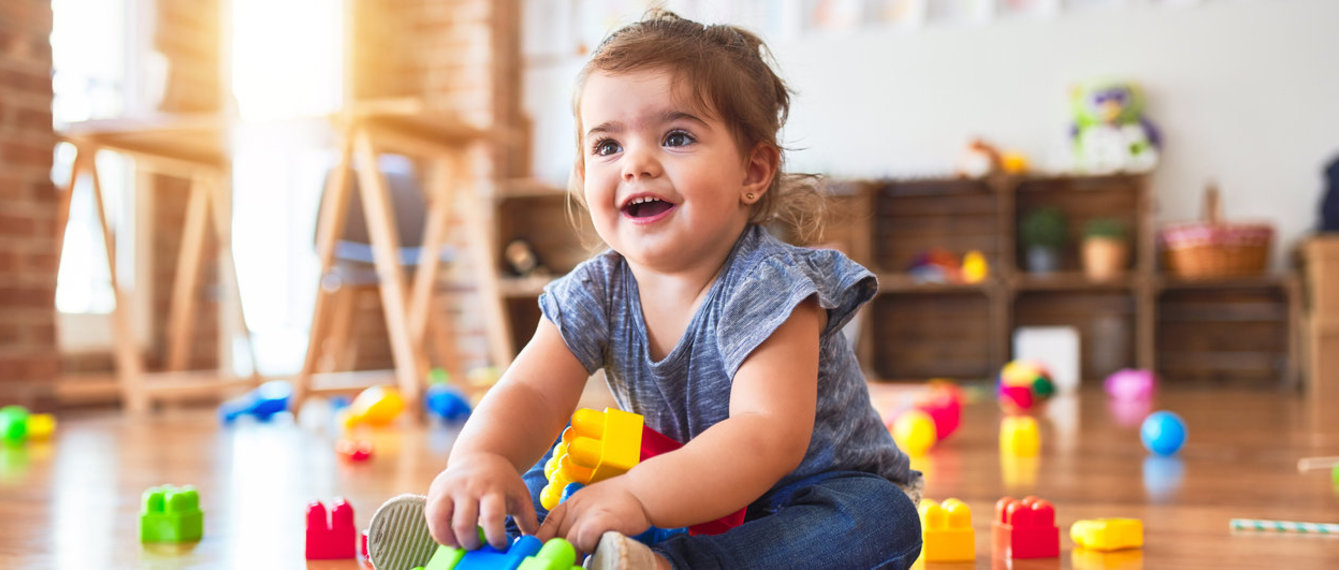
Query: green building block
[[13, 424], [1334, 475], [445, 558], [557, 554], [171, 514]]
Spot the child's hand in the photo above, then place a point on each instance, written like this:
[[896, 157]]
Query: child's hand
[[478, 491], [596, 508]]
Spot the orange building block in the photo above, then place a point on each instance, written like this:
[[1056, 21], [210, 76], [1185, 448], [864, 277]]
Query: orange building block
[[1024, 529], [946, 531]]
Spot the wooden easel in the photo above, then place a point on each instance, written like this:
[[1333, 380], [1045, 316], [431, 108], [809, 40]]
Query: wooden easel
[[187, 146], [366, 130]]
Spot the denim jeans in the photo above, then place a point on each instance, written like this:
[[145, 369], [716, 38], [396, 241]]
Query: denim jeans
[[838, 519]]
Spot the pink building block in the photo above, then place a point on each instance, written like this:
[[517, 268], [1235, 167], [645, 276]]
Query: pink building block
[[331, 536]]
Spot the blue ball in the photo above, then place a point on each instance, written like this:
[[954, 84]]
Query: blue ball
[[1163, 433]]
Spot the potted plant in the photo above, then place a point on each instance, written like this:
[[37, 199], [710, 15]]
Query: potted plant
[[1106, 249], [1043, 233]]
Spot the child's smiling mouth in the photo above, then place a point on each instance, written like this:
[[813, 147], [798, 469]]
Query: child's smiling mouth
[[646, 208]]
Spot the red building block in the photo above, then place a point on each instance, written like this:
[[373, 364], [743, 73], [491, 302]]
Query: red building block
[[331, 537], [1024, 529]]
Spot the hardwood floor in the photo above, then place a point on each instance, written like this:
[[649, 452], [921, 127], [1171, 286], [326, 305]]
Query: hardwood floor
[[73, 502]]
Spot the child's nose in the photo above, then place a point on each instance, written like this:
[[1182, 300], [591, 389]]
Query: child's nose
[[640, 162]]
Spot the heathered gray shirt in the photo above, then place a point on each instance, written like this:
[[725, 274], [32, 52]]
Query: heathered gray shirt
[[597, 309]]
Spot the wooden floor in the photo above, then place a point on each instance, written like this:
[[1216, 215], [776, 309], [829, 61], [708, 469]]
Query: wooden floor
[[73, 502]]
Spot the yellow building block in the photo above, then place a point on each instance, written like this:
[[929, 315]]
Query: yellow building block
[[1108, 534], [946, 531], [606, 443], [1019, 436]]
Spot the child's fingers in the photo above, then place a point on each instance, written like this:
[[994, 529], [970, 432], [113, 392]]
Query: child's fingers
[[493, 517], [438, 513], [552, 526], [465, 523], [522, 509]]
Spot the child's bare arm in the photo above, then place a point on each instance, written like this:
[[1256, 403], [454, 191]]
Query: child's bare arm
[[510, 429], [772, 403]]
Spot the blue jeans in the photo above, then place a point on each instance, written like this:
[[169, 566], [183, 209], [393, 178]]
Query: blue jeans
[[839, 519]]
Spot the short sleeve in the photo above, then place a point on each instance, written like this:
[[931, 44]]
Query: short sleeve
[[577, 304], [769, 292]]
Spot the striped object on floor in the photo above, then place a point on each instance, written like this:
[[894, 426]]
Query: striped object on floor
[[1285, 526], [397, 537]]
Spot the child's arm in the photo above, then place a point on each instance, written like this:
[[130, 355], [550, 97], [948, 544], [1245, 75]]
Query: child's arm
[[772, 403], [508, 432]]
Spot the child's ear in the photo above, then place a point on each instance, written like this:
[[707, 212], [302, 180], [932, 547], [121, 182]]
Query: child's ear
[[759, 171]]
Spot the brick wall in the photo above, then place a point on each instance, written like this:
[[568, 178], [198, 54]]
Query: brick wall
[[28, 353]]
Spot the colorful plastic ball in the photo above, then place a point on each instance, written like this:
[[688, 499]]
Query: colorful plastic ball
[[942, 400], [446, 402], [1023, 384], [378, 405], [1130, 384], [13, 424], [914, 432], [1163, 432]]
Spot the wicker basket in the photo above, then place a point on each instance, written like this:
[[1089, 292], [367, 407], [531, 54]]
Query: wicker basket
[[1213, 248]]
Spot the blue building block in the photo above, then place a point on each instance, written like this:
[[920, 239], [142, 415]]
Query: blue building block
[[651, 537], [489, 558], [262, 403]]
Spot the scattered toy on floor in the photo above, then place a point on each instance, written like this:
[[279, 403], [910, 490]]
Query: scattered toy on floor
[[1023, 384], [946, 531], [18, 426], [1024, 529], [331, 535], [261, 403], [378, 406], [1107, 534], [1130, 384], [1163, 432], [1019, 436], [171, 514], [354, 450]]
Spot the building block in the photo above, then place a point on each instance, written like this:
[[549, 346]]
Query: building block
[[446, 402], [41, 426], [171, 514], [362, 543], [946, 531], [1019, 436], [557, 554], [1024, 529], [599, 445], [488, 558], [355, 451], [1106, 535], [13, 424], [378, 406], [261, 403], [445, 558], [331, 536]]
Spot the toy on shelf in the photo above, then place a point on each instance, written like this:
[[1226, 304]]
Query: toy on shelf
[[171, 514], [261, 403], [946, 531], [914, 431], [1130, 384], [1019, 436], [331, 535], [18, 426], [935, 265], [979, 160], [355, 451], [599, 445], [1110, 133], [1163, 432], [378, 406], [1023, 384], [1109, 534], [975, 268], [1024, 529]]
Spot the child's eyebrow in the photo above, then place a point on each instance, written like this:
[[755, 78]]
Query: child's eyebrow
[[666, 117]]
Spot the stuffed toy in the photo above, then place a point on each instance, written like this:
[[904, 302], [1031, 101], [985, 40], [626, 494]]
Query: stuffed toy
[[1110, 132]]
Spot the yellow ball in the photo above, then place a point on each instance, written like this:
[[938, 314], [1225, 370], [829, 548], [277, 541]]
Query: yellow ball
[[914, 432], [40, 426], [378, 405]]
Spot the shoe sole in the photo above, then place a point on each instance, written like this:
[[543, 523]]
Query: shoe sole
[[397, 537]]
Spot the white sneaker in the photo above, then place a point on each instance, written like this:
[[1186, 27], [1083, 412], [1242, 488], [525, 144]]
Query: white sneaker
[[397, 537], [618, 552]]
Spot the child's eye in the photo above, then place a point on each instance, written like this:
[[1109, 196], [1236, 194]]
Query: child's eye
[[678, 138], [605, 147]]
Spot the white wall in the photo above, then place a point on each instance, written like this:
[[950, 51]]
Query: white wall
[[1245, 92]]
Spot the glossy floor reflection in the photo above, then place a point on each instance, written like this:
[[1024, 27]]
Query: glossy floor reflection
[[73, 502]]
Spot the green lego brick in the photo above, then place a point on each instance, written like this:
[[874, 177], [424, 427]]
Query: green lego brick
[[13, 424], [171, 514], [445, 558], [557, 554]]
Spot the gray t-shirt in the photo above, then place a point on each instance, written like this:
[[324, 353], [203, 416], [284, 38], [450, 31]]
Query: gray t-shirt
[[597, 309]]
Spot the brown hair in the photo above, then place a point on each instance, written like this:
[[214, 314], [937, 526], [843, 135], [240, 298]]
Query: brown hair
[[728, 70]]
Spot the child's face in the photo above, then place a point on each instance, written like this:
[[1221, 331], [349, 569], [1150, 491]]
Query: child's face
[[664, 180]]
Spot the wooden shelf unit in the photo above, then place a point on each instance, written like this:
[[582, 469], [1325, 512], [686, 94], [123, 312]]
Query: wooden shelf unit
[[916, 331]]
